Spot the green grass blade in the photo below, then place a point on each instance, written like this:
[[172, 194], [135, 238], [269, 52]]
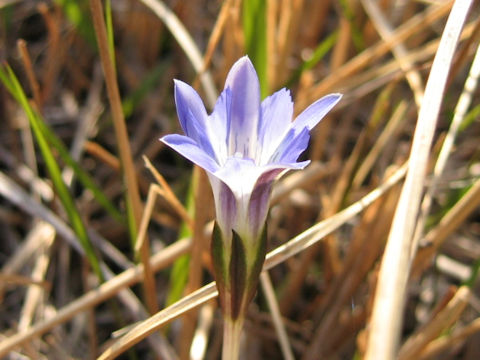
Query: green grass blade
[[469, 118], [76, 12], [84, 178], [147, 84], [475, 267], [349, 14], [8, 77], [179, 273], [318, 54], [178, 279], [53, 140]]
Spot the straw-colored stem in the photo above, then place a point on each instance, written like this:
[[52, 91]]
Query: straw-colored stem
[[460, 110], [271, 298], [437, 325], [133, 196], [32, 79], [116, 108], [232, 332], [386, 322]]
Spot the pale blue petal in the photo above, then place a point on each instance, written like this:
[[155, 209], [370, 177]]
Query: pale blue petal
[[292, 146], [193, 116], [242, 177], [219, 124], [189, 104], [188, 148], [229, 173], [312, 115], [243, 82], [276, 118]]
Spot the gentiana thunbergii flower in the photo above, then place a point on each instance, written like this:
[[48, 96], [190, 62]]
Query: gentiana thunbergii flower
[[243, 145]]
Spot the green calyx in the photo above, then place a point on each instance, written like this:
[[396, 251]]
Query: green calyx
[[237, 274], [219, 261]]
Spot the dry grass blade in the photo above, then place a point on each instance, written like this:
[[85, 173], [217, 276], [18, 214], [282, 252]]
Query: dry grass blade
[[215, 36], [168, 194], [9, 270], [200, 338], [27, 63], [385, 137], [390, 294], [368, 239], [96, 296], [117, 112], [442, 344], [407, 29], [328, 225], [161, 318], [461, 109], [314, 172], [200, 243], [34, 294], [399, 50], [271, 47], [448, 224], [275, 257], [440, 323], [288, 24], [128, 167], [22, 280], [184, 39], [142, 247], [15, 194], [365, 82], [269, 291]]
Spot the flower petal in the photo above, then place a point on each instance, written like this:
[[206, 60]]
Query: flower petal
[[242, 185], [260, 199], [188, 148], [312, 115], [292, 146], [245, 107], [241, 176], [276, 118], [225, 206], [219, 125], [188, 101], [193, 116]]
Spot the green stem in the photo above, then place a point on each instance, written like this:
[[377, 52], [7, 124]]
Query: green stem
[[232, 331]]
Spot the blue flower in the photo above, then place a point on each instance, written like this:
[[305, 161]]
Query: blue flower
[[244, 144]]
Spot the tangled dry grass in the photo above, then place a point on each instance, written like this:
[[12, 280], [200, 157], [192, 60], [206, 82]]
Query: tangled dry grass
[[374, 249]]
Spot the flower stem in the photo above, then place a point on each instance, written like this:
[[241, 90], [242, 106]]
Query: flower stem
[[232, 331]]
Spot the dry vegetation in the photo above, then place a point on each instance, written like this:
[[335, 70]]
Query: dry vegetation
[[104, 232]]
